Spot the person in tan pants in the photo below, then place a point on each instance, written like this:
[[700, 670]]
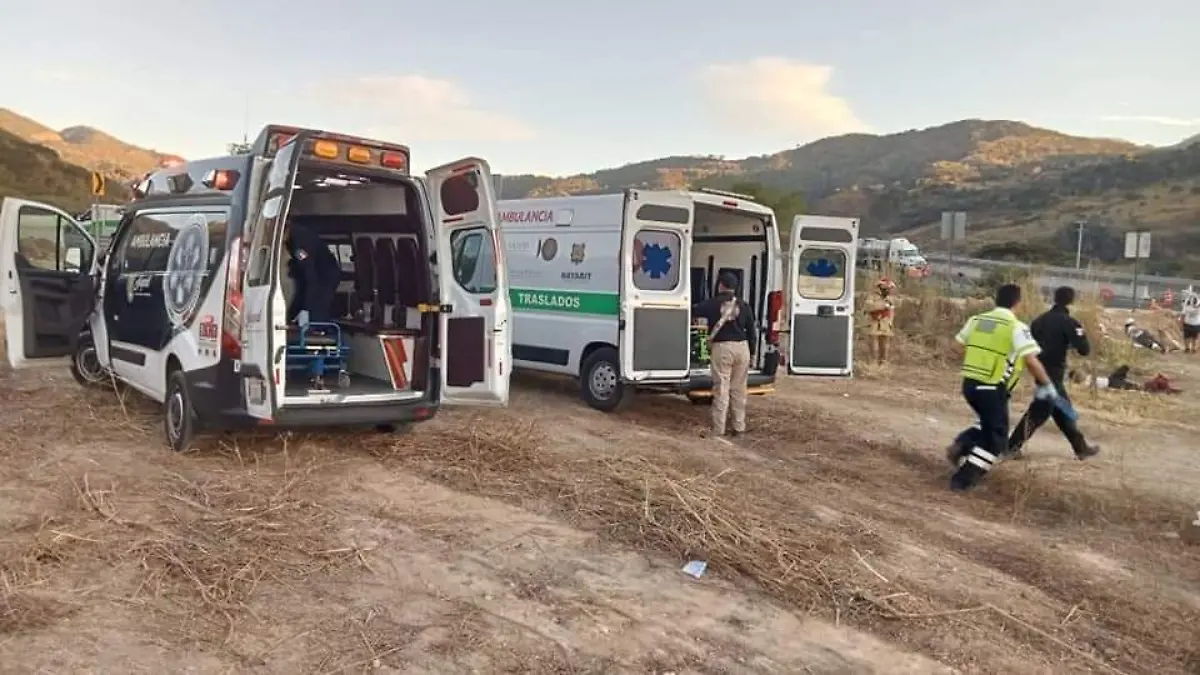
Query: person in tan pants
[[731, 333]]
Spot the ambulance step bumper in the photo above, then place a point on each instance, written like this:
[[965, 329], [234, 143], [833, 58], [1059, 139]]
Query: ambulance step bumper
[[757, 384]]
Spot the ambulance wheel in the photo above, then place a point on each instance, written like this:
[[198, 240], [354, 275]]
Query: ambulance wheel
[[179, 417], [600, 380], [85, 365]]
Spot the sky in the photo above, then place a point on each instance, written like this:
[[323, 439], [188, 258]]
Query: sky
[[551, 87]]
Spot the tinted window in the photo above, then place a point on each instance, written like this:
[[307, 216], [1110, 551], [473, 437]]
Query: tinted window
[[655, 260], [474, 260], [267, 222], [460, 194], [822, 273], [144, 247], [183, 248], [663, 214], [48, 241]]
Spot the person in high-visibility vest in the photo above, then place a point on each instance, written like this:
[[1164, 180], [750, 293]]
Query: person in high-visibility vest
[[997, 349]]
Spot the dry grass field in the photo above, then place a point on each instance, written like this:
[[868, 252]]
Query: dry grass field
[[548, 538]]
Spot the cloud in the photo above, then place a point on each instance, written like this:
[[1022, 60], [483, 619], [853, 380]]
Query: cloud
[[1155, 119], [779, 95], [420, 108]]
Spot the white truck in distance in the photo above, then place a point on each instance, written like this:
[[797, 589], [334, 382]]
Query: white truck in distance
[[899, 252], [602, 288]]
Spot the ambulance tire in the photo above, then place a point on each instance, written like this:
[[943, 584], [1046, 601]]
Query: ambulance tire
[[85, 366], [600, 381], [179, 417]]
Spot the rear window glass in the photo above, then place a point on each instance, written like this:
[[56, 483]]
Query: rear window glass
[[655, 260], [460, 194], [822, 273]]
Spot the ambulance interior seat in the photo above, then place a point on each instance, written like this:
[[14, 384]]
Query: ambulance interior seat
[[386, 281], [364, 280]]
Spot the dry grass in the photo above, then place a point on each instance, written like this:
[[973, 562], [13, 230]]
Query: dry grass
[[810, 527], [191, 537]]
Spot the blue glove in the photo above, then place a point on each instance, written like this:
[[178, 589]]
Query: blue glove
[[302, 318], [1046, 392]]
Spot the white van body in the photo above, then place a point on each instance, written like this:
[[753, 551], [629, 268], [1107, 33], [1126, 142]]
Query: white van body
[[189, 304], [603, 285]]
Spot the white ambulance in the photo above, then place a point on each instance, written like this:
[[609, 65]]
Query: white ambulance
[[189, 303], [602, 288]]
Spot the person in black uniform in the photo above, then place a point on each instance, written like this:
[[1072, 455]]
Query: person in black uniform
[[1057, 332], [317, 274], [731, 332]]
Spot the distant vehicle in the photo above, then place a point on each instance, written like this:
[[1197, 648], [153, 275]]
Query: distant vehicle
[[603, 286], [899, 252], [188, 304], [101, 220]]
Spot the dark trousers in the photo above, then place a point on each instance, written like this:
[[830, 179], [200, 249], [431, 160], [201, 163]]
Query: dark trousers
[[982, 446], [1039, 412]]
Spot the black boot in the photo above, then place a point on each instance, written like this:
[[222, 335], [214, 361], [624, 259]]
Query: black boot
[[1087, 451]]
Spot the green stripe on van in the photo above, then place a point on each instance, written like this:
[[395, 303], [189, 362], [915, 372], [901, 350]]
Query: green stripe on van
[[569, 302]]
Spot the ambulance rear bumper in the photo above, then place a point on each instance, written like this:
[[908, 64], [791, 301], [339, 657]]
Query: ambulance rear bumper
[[757, 384]]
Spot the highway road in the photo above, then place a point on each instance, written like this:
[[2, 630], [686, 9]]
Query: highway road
[[1049, 278]]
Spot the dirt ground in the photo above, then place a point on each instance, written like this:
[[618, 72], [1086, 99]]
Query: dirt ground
[[548, 538]]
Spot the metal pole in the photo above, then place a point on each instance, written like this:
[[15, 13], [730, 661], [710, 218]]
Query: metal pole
[[1079, 245], [950, 270], [1137, 258]]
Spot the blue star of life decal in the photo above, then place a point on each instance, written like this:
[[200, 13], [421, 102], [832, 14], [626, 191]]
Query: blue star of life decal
[[656, 260], [821, 268]]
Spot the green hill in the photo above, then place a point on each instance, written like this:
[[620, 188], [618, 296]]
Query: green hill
[[1023, 187], [35, 172]]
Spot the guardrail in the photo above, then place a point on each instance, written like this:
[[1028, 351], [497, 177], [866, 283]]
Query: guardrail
[[1115, 287], [1065, 272]]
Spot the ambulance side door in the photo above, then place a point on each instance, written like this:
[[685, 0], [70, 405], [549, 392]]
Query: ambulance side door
[[474, 324], [49, 290]]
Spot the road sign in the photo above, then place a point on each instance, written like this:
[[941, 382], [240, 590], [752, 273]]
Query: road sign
[[97, 184], [954, 225], [1137, 245]]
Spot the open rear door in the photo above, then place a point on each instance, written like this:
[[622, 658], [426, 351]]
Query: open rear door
[[264, 312], [49, 290], [474, 331], [821, 295], [656, 297]]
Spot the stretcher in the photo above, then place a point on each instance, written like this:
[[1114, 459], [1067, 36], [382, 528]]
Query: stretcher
[[316, 350]]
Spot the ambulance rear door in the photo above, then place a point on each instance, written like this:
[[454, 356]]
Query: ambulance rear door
[[656, 295], [821, 296], [264, 313], [474, 329]]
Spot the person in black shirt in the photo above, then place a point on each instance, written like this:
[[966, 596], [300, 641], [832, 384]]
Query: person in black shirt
[[317, 274], [731, 333], [1057, 332]]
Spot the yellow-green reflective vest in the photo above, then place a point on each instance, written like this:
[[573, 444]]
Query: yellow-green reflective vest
[[989, 350]]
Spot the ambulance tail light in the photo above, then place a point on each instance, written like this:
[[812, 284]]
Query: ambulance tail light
[[231, 324], [393, 160], [358, 154], [774, 309]]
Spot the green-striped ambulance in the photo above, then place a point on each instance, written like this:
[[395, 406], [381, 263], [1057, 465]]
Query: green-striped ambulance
[[602, 288]]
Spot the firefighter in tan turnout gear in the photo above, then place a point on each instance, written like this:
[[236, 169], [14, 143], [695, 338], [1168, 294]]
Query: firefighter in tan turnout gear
[[731, 333]]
